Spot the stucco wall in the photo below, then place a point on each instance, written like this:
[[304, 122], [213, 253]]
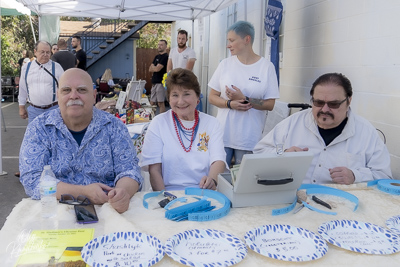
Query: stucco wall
[[121, 65], [358, 38]]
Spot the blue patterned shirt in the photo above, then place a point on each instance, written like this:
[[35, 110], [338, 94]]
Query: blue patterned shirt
[[105, 155]]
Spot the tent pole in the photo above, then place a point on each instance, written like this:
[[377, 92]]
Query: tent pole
[[33, 32], [192, 33], [1, 155]]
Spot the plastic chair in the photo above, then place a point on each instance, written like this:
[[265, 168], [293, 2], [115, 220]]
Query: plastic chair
[[104, 90]]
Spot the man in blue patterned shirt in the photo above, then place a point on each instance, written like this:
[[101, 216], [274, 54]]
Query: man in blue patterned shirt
[[89, 150]]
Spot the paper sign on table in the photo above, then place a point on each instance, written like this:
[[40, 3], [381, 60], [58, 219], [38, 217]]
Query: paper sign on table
[[55, 246]]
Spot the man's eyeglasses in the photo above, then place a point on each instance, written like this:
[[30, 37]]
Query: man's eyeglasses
[[71, 200], [331, 104]]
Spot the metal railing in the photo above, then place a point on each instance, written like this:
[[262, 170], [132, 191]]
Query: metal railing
[[100, 31]]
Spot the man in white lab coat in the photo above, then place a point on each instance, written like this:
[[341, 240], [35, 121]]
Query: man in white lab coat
[[347, 148]]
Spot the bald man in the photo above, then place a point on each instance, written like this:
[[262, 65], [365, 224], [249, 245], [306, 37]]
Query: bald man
[[89, 150]]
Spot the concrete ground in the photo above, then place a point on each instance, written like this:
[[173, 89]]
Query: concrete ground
[[11, 190]]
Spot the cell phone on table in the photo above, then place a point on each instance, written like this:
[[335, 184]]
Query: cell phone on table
[[85, 214]]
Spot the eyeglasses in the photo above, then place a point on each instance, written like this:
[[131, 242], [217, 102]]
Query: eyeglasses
[[71, 200], [331, 104]]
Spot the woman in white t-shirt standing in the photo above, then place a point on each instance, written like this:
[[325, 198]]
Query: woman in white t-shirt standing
[[183, 147], [243, 87]]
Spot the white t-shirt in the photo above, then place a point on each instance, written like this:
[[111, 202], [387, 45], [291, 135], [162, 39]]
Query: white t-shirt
[[179, 60], [182, 169], [243, 129], [111, 82], [26, 60]]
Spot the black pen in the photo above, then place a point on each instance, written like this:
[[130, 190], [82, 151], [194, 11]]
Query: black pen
[[321, 202]]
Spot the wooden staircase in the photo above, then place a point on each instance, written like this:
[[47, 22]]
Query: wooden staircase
[[114, 39], [102, 36]]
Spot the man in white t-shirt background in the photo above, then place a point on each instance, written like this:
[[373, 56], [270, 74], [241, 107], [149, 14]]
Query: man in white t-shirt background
[[181, 56]]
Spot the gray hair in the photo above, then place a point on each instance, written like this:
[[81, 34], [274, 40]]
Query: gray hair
[[243, 28], [42, 42]]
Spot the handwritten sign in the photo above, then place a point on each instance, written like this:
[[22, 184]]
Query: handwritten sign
[[205, 250], [123, 249], [287, 244], [361, 238], [123, 253]]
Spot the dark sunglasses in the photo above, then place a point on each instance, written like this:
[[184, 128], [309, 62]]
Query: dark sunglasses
[[331, 104], [71, 200]]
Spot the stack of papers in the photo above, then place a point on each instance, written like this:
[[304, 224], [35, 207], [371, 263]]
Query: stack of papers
[[234, 170]]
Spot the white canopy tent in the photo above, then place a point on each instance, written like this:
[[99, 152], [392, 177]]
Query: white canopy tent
[[13, 8], [153, 10]]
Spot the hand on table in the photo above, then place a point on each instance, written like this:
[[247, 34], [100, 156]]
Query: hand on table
[[207, 183], [342, 175], [119, 199], [97, 193]]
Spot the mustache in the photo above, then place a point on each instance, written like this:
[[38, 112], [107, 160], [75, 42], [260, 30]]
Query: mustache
[[74, 102], [325, 113]]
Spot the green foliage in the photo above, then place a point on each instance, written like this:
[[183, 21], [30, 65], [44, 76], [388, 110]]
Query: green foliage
[[152, 33], [16, 35], [75, 18]]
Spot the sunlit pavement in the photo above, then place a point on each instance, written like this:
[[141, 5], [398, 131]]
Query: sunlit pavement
[[11, 190]]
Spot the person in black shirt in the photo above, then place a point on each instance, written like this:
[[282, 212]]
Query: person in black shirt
[[21, 61], [159, 68], [80, 54], [65, 58]]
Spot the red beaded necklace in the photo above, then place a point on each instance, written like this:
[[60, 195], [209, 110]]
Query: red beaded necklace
[[180, 127]]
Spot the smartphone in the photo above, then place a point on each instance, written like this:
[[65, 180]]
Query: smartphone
[[85, 214], [245, 102]]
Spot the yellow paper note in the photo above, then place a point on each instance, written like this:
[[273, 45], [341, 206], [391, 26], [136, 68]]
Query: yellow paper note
[[53, 247]]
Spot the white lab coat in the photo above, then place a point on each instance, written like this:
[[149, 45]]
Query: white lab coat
[[358, 147]]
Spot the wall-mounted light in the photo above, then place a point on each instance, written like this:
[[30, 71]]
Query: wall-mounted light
[[127, 55]]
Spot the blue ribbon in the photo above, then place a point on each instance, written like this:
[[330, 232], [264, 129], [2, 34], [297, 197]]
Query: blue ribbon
[[149, 195], [386, 185], [320, 189], [276, 212]]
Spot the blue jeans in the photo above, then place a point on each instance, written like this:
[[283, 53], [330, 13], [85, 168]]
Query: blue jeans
[[230, 152], [34, 112]]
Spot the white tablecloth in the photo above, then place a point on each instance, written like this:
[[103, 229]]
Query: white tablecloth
[[375, 207]]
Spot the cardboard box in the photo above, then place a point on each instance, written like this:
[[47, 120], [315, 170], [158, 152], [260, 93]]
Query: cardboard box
[[138, 120]]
